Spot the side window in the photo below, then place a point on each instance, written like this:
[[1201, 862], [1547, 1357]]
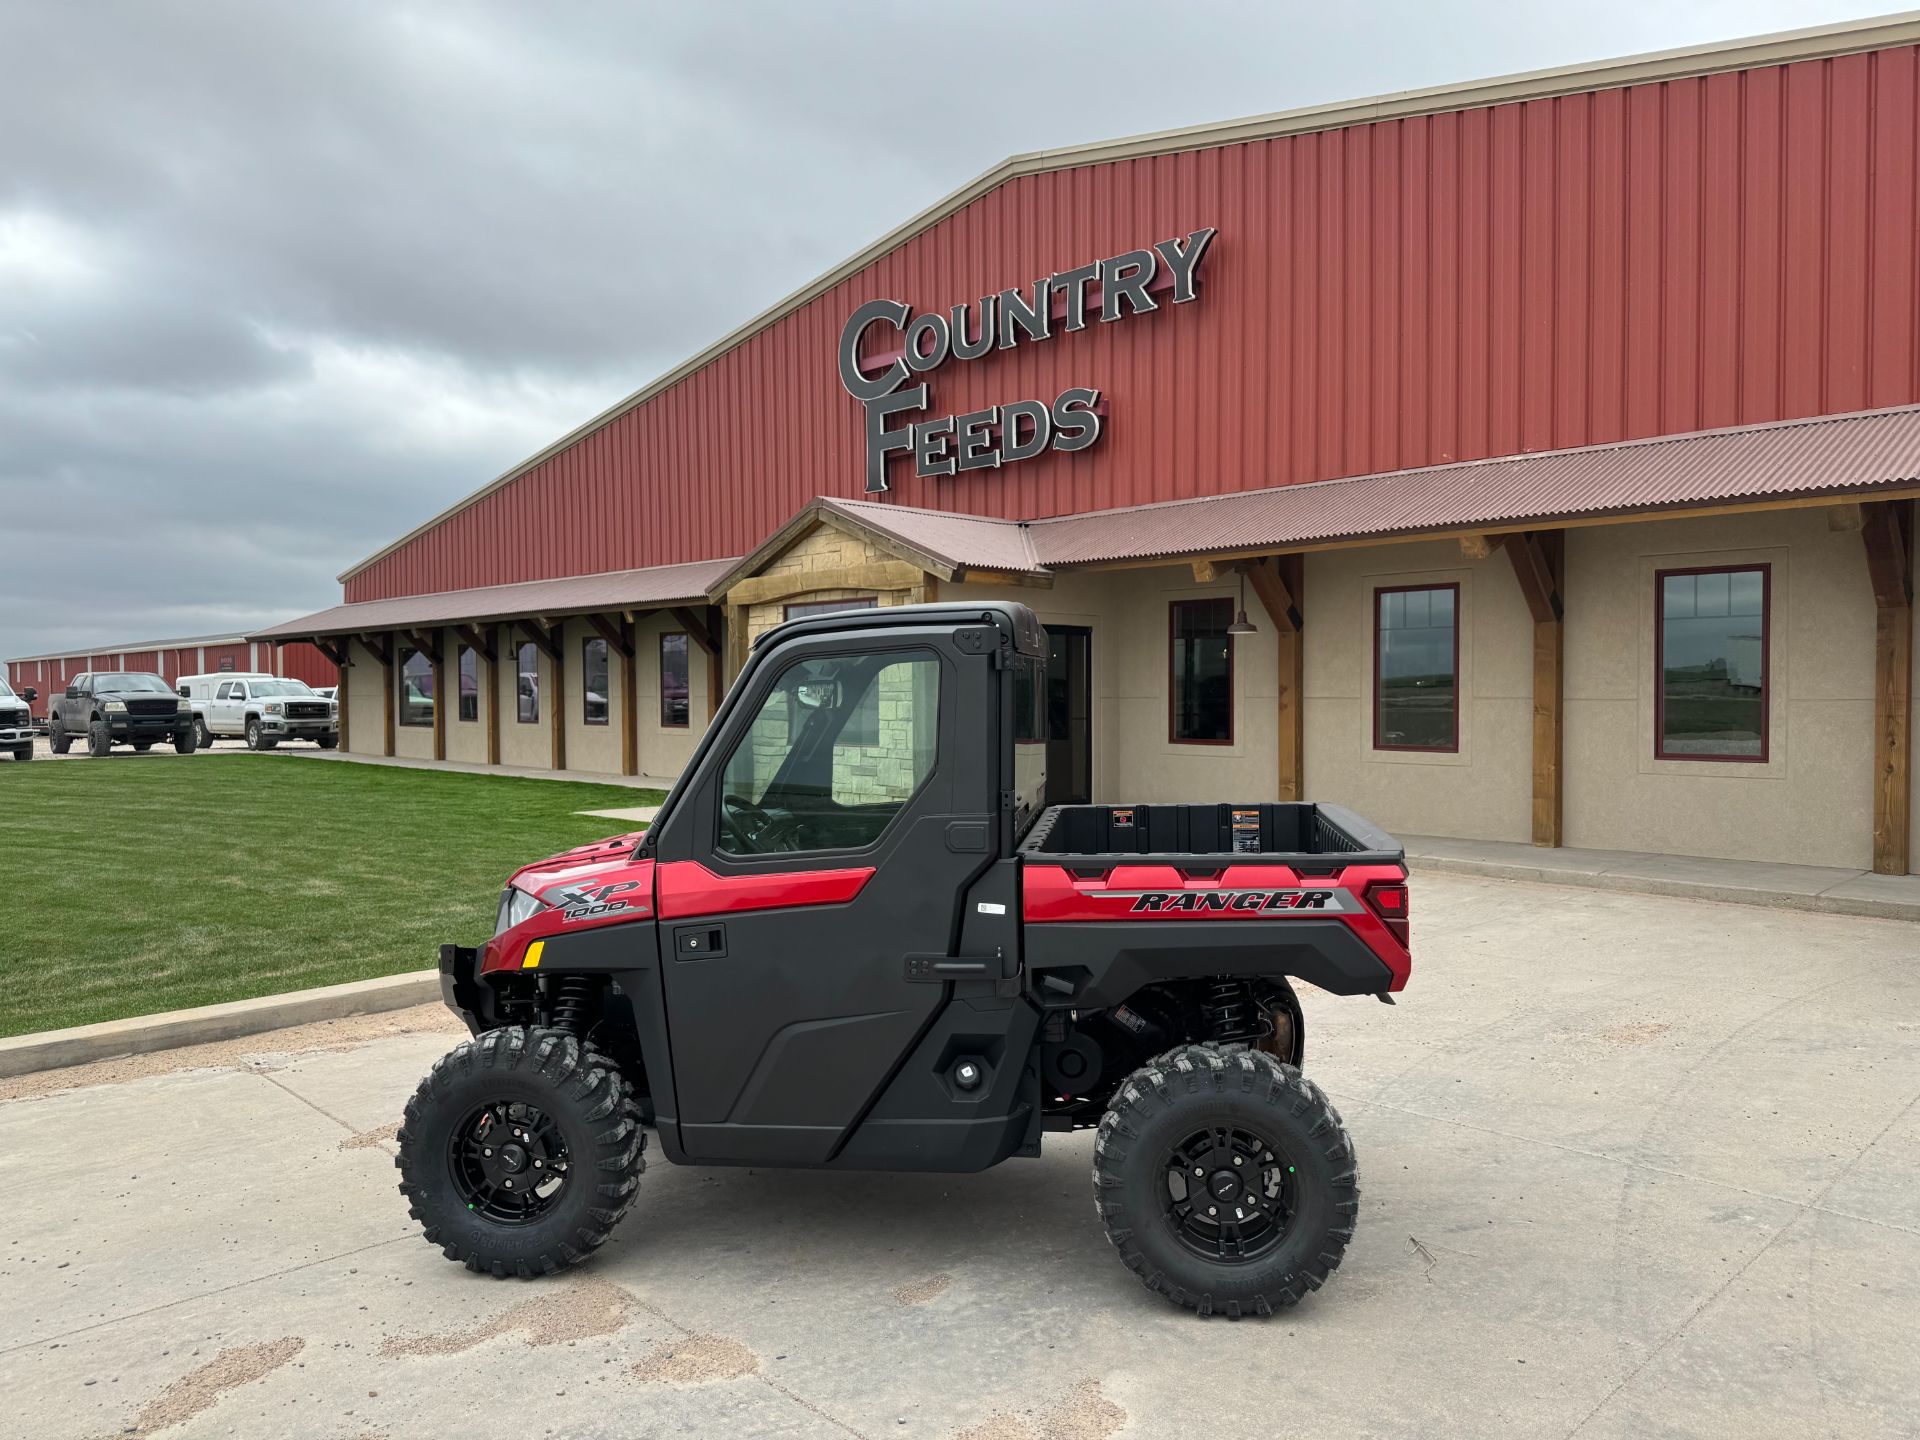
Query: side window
[[527, 671], [416, 687], [593, 679], [836, 750], [1200, 667], [469, 683], [1416, 668], [1710, 675], [225, 692], [673, 680]]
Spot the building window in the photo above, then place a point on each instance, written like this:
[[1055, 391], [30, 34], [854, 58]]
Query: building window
[[527, 677], [1416, 668], [469, 683], [829, 607], [1710, 663], [1201, 673], [593, 679], [673, 680], [416, 687]]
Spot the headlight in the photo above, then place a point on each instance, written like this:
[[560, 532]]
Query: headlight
[[274, 707], [516, 905], [116, 707]]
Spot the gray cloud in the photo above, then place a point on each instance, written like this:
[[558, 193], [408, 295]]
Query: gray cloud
[[279, 280]]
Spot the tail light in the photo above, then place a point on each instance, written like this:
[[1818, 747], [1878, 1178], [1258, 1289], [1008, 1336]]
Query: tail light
[[1388, 900]]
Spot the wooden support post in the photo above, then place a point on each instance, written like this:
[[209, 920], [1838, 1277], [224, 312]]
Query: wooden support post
[[1538, 558], [716, 664], [1278, 581], [1887, 532], [383, 652], [437, 657], [491, 653], [629, 697], [736, 641]]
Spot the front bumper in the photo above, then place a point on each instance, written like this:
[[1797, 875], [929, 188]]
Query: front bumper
[[148, 727], [298, 729], [11, 734]]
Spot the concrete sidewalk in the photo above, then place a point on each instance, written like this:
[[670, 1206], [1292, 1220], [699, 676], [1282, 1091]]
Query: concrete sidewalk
[[1742, 882], [1629, 1165], [462, 767]]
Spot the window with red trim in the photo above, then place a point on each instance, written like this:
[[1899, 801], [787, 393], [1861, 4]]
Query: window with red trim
[[1200, 672], [1416, 668], [1710, 662]]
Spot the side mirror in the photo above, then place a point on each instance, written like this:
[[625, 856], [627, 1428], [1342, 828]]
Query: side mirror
[[73, 692], [819, 695], [30, 694]]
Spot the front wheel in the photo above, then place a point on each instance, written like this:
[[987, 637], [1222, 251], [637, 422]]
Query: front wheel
[[1225, 1180], [520, 1151], [99, 739], [258, 739], [328, 742], [24, 752], [185, 742]]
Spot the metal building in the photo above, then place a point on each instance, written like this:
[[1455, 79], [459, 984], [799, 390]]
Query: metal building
[[170, 659], [1557, 434]]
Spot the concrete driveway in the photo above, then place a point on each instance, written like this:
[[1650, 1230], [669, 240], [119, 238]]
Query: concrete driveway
[[1629, 1166]]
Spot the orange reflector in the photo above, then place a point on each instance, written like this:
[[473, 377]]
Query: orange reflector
[[532, 959]]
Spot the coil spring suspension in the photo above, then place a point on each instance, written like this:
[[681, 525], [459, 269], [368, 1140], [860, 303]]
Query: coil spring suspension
[[573, 1004], [1230, 1013]]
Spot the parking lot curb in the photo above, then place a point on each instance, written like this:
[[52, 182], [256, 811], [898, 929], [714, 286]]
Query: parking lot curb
[[57, 1049]]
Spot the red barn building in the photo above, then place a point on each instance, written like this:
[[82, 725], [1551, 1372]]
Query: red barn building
[[1557, 435]]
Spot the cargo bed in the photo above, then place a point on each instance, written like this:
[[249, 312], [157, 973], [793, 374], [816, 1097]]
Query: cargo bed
[[1308, 837]]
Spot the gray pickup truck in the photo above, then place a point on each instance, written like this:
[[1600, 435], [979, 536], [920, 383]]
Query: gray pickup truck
[[16, 721]]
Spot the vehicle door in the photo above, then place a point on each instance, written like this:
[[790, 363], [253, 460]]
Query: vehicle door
[[74, 709], [223, 715], [829, 837]]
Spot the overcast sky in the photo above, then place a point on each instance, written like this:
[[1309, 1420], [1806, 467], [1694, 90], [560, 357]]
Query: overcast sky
[[278, 281]]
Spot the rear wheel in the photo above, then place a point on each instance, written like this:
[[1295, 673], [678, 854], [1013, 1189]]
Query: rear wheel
[[58, 740], [1225, 1180], [520, 1151], [203, 735], [99, 739]]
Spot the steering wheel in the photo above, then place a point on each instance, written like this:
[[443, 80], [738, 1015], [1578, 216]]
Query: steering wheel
[[744, 820]]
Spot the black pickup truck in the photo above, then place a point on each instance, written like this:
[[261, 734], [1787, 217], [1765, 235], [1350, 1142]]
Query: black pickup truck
[[854, 939], [108, 708]]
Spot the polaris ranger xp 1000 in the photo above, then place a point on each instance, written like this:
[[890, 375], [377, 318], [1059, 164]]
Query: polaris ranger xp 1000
[[855, 939]]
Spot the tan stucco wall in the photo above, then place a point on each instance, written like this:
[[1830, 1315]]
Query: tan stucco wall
[[1481, 792], [365, 720], [594, 749], [665, 749], [466, 739], [1812, 801]]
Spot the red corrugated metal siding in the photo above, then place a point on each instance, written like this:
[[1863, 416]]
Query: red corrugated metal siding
[[1658, 259]]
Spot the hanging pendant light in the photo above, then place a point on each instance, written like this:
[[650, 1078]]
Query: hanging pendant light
[[1241, 625]]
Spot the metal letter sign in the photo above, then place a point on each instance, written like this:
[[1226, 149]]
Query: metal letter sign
[[986, 439]]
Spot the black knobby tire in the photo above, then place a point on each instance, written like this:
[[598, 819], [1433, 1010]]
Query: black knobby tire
[[99, 739], [58, 740], [24, 752], [185, 742], [328, 742], [1203, 1088], [142, 746], [203, 735], [590, 1102]]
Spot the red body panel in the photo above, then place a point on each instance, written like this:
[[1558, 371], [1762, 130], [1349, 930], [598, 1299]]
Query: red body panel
[[1146, 894], [1639, 260], [689, 888]]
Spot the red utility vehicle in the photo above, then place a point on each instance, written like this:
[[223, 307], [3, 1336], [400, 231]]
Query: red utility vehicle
[[855, 939]]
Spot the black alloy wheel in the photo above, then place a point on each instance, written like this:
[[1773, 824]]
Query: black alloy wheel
[[1230, 1193], [509, 1162]]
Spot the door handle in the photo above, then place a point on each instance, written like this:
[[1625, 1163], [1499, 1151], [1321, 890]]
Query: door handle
[[700, 942]]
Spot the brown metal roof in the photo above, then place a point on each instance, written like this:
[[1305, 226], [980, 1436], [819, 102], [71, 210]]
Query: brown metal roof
[[649, 589], [1856, 453], [966, 542]]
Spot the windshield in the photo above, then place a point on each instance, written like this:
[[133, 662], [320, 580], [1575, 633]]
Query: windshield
[[130, 684], [6, 690], [278, 687]]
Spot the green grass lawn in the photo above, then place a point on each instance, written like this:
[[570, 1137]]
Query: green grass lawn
[[132, 886]]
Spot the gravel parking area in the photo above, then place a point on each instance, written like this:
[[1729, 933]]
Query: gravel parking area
[[1629, 1165]]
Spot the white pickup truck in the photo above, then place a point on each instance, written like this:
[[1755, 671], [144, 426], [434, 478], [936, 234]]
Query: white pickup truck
[[261, 709]]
